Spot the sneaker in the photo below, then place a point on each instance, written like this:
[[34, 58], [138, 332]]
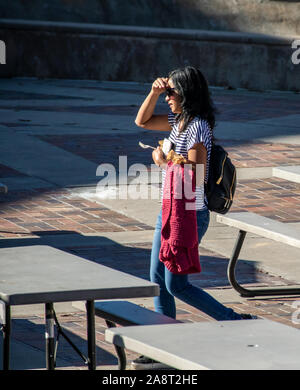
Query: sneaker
[[145, 363], [248, 316]]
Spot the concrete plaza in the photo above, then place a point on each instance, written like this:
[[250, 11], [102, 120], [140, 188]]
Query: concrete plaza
[[56, 133]]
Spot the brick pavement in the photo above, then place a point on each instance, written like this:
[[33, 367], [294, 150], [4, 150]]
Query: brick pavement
[[244, 155], [231, 105], [42, 211], [272, 197], [262, 154]]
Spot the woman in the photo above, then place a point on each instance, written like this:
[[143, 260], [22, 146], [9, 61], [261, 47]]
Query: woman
[[191, 120]]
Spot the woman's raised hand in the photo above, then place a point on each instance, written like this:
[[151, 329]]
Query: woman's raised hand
[[159, 85]]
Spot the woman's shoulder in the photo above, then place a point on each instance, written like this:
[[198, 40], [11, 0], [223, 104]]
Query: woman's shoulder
[[199, 131], [199, 125], [201, 122]]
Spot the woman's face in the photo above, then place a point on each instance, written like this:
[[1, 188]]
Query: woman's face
[[173, 100]]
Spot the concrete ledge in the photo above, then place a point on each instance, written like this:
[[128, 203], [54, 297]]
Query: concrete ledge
[[147, 32]]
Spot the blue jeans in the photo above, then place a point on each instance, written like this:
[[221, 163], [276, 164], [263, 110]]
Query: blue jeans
[[175, 285]]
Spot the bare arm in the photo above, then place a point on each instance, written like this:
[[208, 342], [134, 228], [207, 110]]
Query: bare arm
[[145, 117], [197, 156]]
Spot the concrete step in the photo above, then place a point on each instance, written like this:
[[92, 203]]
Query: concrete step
[[264, 16]]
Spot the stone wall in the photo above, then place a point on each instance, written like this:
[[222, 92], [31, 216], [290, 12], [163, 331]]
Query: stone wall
[[128, 53]]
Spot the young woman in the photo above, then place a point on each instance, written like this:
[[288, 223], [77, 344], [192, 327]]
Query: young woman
[[190, 121]]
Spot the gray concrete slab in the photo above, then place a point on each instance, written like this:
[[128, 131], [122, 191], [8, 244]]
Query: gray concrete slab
[[26, 182], [47, 117], [254, 173], [135, 208], [286, 121], [80, 89], [290, 173], [43, 161]]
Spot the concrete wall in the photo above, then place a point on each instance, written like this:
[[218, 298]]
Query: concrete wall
[[262, 16], [107, 52]]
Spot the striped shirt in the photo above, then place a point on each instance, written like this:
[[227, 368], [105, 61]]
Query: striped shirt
[[198, 131]]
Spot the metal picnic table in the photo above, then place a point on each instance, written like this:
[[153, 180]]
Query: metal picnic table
[[42, 274]]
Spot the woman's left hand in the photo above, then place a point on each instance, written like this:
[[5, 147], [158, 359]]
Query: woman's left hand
[[158, 156]]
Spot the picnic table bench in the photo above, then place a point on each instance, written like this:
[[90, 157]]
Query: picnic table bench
[[248, 222], [219, 345], [126, 313]]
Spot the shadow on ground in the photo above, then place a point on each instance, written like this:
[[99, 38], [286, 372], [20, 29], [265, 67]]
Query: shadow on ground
[[134, 258], [28, 339]]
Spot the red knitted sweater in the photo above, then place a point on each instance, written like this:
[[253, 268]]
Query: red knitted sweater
[[179, 238]]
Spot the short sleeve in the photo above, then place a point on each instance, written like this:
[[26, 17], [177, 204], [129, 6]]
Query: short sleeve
[[195, 135]]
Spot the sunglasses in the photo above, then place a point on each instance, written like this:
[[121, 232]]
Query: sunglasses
[[170, 92]]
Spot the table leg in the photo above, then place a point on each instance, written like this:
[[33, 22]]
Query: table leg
[[49, 334], [245, 292], [120, 351], [6, 337], [90, 311]]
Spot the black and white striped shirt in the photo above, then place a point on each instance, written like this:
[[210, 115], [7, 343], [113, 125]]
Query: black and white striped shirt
[[198, 131]]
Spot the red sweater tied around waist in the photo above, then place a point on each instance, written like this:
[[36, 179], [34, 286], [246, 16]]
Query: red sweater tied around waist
[[179, 237]]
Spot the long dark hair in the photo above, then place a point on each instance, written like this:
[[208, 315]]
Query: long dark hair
[[193, 90]]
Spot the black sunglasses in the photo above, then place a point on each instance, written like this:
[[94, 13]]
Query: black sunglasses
[[170, 91]]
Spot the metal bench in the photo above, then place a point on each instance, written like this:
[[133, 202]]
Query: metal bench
[[126, 313], [265, 227]]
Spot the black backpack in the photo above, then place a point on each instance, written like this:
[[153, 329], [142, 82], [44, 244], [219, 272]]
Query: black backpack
[[221, 184]]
